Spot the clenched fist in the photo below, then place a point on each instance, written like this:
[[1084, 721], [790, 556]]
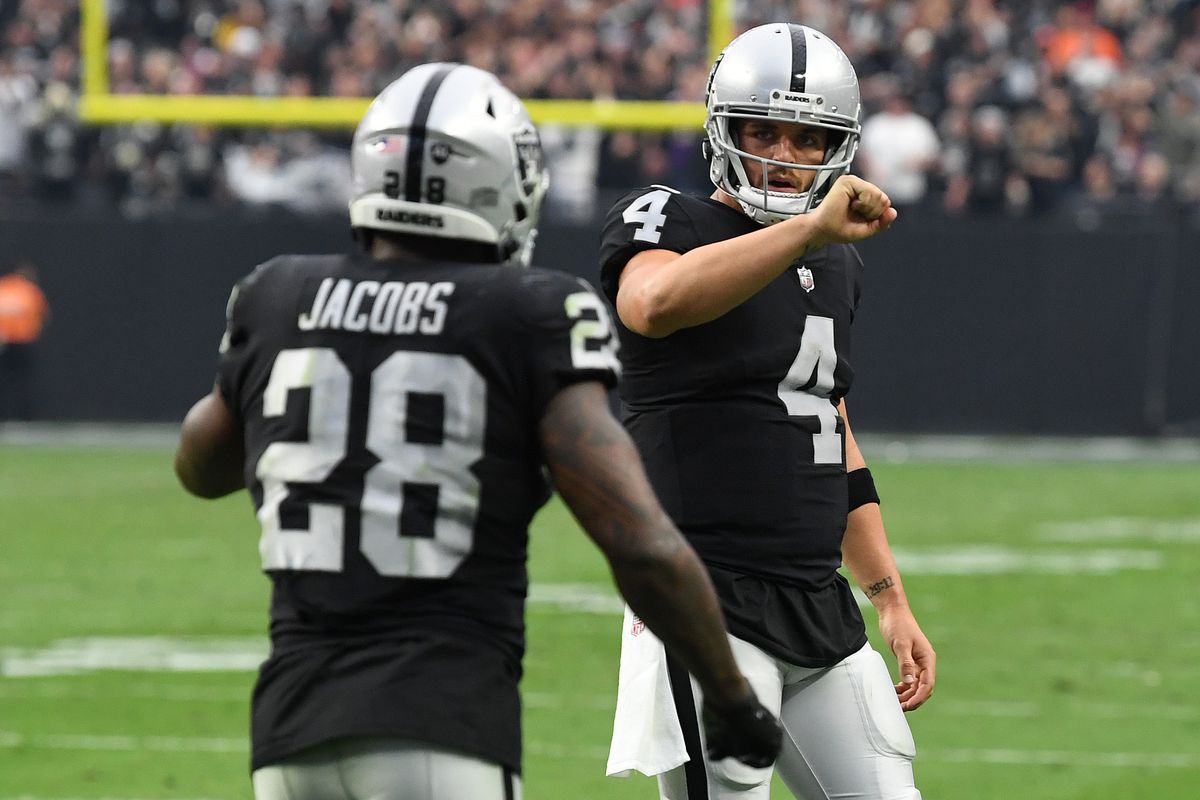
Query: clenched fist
[[853, 210]]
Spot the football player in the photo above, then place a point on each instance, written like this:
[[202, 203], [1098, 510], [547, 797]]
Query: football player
[[735, 315], [391, 414]]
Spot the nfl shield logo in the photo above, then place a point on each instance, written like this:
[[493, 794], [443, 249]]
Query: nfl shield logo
[[806, 279]]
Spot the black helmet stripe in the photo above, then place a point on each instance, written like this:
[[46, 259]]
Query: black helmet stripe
[[415, 163], [799, 57]]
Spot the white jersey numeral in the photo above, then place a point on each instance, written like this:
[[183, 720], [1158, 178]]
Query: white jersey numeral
[[648, 211], [446, 465], [319, 547], [587, 330], [813, 368]]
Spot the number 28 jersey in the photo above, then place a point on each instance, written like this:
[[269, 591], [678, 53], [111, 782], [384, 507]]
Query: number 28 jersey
[[737, 418], [390, 414]]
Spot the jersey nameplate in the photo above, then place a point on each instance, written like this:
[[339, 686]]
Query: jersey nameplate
[[386, 307]]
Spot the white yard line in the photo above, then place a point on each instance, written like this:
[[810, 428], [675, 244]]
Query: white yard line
[[117, 435], [1109, 529], [882, 446], [1071, 708], [1062, 758], [1020, 449], [117, 743], [997, 560], [586, 597], [22, 690]]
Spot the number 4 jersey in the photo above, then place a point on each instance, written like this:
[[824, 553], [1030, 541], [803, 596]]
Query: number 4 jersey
[[737, 421], [391, 416]]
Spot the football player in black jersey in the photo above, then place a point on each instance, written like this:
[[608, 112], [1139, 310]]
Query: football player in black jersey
[[391, 414], [735, 315]]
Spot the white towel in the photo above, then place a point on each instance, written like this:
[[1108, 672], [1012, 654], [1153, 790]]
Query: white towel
[[646, 733]]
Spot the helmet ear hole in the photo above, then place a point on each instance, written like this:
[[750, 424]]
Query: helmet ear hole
[[833, 142]]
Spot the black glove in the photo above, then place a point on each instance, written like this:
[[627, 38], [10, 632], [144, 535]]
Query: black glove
[[748, 732]]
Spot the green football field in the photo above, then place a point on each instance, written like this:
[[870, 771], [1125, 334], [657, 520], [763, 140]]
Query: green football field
[[1062, 599]]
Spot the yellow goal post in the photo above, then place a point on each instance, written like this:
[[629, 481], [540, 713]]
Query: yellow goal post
[[99, 106]]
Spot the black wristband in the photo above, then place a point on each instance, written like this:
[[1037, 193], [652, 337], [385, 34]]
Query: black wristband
[[860, 488]]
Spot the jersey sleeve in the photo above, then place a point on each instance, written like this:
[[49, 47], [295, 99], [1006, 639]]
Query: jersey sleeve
[[651, 218], [238, 342], [570, 336]]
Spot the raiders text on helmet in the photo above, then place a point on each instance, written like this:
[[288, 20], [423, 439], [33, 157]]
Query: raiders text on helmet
[[787, 73], [447, 151]]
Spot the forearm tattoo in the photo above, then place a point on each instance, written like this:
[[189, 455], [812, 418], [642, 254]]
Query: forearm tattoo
[[876, 588]]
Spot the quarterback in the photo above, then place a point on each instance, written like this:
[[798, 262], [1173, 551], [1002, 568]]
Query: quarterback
[[735, 314], [392, 413]]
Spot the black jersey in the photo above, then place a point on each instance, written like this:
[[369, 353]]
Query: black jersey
[[738, 424], [390, 415]]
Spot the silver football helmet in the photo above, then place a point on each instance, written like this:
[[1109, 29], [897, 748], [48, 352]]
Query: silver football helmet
[[789, 73], [446, 151]]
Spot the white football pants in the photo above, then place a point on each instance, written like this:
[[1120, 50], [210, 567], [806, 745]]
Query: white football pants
[[845, 736], [384, 769]]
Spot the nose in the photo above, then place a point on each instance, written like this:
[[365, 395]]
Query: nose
[[783, 150]]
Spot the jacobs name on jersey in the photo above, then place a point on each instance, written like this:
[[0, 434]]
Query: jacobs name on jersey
[[383, 307], [744, 444], [390, 412]]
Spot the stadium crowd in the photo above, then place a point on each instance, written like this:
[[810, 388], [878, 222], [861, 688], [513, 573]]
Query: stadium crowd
[[1027, 107]]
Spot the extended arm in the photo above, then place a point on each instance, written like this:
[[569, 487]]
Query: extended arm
[[867, 554], [662, 291], [598, 472], [210, 455]]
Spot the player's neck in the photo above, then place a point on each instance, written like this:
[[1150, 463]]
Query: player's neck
[[431, 249], [383, 249], [721, 196]]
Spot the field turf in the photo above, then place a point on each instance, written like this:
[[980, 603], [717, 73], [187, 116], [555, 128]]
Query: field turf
[[1062, 599]]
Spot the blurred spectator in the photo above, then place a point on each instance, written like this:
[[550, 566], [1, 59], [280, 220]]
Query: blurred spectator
[[296, 172], [1043, 155], [1178, 126], [1099, 189], [989, 183], [1082, 50], [898, 148], [1152, 184], [619, 166], [572, 158], [23, 313], [17, 94]]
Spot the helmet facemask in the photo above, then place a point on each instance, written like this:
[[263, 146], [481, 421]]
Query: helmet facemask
[[765, 206]]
